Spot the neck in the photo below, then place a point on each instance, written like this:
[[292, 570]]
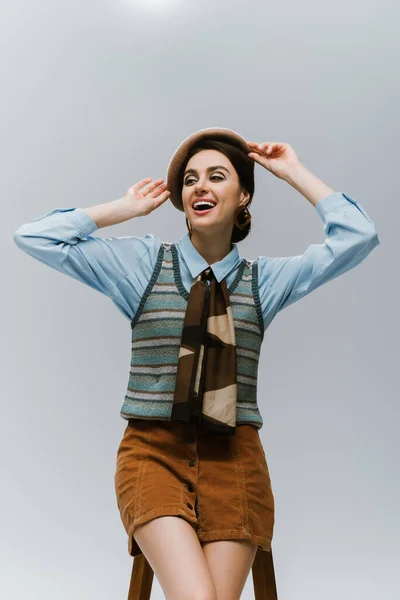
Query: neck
[[212, 248]]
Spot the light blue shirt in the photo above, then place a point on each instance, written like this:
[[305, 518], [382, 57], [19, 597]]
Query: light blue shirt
[[121, 267]]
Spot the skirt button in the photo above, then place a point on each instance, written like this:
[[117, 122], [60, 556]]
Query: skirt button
[[190, 487], [192, 463], [189, 505]]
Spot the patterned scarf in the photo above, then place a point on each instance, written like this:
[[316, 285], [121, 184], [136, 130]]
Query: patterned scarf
[[206, 386]]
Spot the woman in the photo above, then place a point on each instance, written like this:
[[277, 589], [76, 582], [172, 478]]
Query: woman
[[192, 482]]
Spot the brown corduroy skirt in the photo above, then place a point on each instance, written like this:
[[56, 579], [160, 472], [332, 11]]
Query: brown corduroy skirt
[[219, 484]]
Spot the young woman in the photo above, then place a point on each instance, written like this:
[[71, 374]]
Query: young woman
[[192, 481]]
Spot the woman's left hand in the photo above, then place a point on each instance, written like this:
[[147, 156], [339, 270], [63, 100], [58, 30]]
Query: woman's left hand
[[277, 157]]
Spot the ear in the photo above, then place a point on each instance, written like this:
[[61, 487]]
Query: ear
[[245, 198]]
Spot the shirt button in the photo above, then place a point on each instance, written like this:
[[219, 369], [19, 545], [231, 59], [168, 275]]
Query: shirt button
[[192, 463], [190, 487], [189, 505]]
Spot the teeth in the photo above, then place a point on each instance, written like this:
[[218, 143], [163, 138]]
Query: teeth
[[206, 202]]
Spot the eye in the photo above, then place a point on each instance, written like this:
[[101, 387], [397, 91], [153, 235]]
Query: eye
[[212, 177]]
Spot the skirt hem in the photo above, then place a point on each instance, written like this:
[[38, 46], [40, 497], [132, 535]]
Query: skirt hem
[[164, 511], [262, 542]]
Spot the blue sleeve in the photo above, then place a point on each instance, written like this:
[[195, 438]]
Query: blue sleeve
[[113, 266], [350, 237]]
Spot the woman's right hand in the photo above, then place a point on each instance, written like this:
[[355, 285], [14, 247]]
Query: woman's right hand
[[144, 200]]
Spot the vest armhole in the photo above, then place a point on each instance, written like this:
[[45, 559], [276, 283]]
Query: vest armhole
[[256, 296], [177, 273], [150, 285], [238, 277]]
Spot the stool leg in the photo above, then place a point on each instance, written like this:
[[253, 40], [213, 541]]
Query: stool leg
[[264, 582], [141, 579]]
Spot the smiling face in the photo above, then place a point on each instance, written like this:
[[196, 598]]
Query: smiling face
[[209, 175]]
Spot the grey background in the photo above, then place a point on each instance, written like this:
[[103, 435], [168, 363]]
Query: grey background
[[96, 96]]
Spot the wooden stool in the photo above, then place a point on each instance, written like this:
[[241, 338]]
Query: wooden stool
[[262, 569]]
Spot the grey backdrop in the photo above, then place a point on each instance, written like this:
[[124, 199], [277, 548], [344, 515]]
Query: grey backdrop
[[96, 96]]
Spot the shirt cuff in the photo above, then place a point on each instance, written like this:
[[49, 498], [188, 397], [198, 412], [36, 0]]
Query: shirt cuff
[[84, 223], [335, 201]]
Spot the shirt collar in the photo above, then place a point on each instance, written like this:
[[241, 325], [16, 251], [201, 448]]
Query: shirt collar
[[196, 263]]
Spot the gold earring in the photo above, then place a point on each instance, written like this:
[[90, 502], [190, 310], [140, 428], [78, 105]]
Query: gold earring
[[242, 217]]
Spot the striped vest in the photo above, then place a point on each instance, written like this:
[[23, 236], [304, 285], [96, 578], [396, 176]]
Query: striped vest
[[156, 336]]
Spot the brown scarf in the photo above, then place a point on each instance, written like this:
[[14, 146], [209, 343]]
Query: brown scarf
[[206, 386]]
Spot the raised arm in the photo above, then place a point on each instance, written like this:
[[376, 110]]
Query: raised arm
[[62, 239], [350, 234], [350, 237]]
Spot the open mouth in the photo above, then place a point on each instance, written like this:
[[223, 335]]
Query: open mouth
[[203, 207]]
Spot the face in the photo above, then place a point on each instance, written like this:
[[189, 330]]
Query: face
[[210, 175]]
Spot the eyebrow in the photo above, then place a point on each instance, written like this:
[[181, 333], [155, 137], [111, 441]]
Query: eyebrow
[[208, 170]]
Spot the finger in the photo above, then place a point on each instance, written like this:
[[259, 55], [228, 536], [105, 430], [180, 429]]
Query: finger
[[256, 149], [161, 199], [140, 183], [255, 146], [270, 148], [159, 189], [152, 189], [258, 153], [155, 184]]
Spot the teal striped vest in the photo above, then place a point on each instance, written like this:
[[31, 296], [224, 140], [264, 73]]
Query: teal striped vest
[[156, 336]]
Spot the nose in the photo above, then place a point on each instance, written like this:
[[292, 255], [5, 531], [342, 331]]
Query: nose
[[200, 185]]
